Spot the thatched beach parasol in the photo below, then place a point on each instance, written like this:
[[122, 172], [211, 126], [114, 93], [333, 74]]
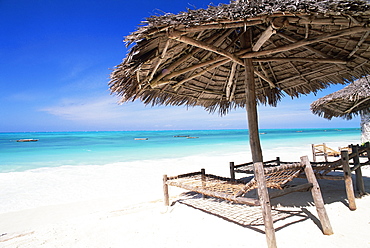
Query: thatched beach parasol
[[235, 55], [346, 103], [244, 53]]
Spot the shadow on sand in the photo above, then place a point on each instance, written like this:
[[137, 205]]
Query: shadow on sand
[[286, 210]]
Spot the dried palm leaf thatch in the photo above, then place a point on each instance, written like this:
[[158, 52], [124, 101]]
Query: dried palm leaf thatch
[[196, 58], [348, 102]]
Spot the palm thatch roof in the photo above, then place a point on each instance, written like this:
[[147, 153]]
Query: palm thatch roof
[[348, 102], [197, 57]]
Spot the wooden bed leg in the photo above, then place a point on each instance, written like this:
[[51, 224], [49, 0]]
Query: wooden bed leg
[[165, 191], [313, 152], [359, 179], [203, 172], [348, 180], [325, 153], [232, 171], [317, 197], [265, 204]]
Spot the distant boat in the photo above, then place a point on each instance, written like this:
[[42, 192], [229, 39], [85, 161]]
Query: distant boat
[[189, 137], [27, 140], [141, 139], [181, 136]]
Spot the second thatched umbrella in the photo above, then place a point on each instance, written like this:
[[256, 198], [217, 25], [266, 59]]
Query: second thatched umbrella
[[350, 101]]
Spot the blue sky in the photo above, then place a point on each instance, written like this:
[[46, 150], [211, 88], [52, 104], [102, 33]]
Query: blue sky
[[55, 61]]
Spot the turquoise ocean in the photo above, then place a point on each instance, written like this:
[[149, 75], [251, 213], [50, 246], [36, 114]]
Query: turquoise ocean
[[54, 149]]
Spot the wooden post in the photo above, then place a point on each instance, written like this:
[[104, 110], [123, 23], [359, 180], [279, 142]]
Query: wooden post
[[254, 141], [277, 161], [348, 180], [265, 204], [232, 171], [325, 153], [359, 179], [251, 101], [317, 197], [203, 172], [165, 191], [313, 152]]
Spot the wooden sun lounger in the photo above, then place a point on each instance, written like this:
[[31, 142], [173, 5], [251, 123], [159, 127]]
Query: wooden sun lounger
[[323, 150], [234, 190], [322, 169]]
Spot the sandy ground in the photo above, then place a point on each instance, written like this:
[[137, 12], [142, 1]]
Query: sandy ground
[[121, 206]]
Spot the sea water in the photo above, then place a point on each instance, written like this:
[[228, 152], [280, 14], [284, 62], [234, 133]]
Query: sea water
[[54, 149]]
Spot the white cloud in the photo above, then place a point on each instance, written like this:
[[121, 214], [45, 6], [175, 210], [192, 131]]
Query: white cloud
[[87, 109]]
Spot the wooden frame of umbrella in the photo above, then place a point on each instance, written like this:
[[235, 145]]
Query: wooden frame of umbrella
[[242, 54]]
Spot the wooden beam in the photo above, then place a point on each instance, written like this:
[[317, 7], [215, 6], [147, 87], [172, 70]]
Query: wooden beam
[[272, 85], [167, 78], [296, 59], [363, 38], [320, 21], [182, 38], [180, 61], [355, 105], [230, 82], [199, 73], [324, 67], [263, 38], [315, 51], [304, 42], [159, 61], [238, 24]]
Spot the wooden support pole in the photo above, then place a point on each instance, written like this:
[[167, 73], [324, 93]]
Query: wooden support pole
[[277, 161], [251, 103], [265, 204], [317, 197], [232, 171], [359, 179], [254, 142], [165, 191], [348, 180]]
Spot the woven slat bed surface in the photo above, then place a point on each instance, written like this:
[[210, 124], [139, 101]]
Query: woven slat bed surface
[[227, 189]]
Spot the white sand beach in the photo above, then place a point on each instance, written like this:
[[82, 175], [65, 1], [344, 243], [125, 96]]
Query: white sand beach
[[120, 205]]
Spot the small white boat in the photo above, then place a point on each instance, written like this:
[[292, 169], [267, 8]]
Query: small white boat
[[140, 138], [27, 140]]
